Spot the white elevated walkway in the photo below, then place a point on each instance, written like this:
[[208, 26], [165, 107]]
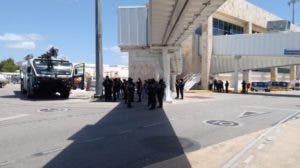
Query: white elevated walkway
[[255, 51]]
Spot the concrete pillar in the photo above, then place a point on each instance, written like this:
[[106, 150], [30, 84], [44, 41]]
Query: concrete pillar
[[298, 72], [130, 63], [248, 28], [207, 35], [236, 73], [247, 75], [167, 69], [293, 72], [274, 74], [173, 83]]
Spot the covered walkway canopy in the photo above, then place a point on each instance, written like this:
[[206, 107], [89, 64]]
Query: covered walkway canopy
[[171, 21], [255, 51]]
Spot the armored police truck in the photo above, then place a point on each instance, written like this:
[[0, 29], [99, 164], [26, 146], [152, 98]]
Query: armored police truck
[[46, 75]]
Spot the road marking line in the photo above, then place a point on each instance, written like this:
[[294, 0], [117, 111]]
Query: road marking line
[[5, 163], [261, 146], [249, 159], [235, 159], [154, 124], [92, 140], [270, 108], [14, 117], [125, 132], [49, 151]]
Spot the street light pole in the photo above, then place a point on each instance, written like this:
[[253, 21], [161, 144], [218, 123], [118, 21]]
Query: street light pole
[[293, 2], [99, 52]]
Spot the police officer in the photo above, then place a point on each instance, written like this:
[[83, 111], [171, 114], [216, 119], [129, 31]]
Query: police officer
[[147, 88], [181, 87], [130, 87], [152, 87], [177, 88], [123, 88], [115, 88], [244, 87], [139, 87], [226, 86], [160, 92], [108, 88]]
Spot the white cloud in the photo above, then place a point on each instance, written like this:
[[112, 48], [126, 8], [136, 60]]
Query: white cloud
[[21, 41], [22, 45], [21, 37], [116, 52]]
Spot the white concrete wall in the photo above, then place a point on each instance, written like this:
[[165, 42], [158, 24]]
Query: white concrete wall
[[246, 11], [262, 44], [145, 64]]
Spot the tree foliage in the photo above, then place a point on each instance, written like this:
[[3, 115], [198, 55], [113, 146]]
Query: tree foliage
[[8, 65]]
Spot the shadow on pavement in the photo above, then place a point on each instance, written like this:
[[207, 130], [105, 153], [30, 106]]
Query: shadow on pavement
[[124, 138]]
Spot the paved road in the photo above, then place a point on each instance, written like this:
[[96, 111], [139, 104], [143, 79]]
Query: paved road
[[78, 133]]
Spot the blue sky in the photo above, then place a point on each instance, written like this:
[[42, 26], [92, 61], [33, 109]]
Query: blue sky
[[32, 26]]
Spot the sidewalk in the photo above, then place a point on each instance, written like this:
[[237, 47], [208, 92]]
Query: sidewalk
[[281, 150]]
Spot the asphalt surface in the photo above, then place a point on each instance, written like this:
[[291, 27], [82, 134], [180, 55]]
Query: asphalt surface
[[78, 133]]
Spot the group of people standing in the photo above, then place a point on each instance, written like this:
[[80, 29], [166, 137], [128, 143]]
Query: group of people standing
[[117, 89], [218, 86]]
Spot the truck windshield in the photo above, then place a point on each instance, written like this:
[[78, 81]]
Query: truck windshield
[[52, 67]]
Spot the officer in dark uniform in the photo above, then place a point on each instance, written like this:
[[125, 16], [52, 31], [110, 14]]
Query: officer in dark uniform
[[244, 87], [139, 87], [130, 87], [108, 84], [226, 86], [181, 87], [124, 83], [146, 88], [115, 89], [152, 93], [160, 92], [177, 88]]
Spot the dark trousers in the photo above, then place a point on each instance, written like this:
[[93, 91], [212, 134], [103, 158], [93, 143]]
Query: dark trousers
[[115, 96], [181, 93], [160, 97], [139, 93], [107, 94], [130, 99], [177, 93], [226, 89], [152, 101]]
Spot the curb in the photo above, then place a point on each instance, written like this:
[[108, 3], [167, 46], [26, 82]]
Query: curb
[[235, 159]]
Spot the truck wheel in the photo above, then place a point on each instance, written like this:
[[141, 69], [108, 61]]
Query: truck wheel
[[65, 94]]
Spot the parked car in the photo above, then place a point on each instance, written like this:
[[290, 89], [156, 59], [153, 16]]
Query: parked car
[[3, 81]]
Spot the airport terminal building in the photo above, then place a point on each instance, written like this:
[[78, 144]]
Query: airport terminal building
[[200, 39]]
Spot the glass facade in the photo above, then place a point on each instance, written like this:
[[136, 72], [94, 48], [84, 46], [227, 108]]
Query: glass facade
[[225, 28]]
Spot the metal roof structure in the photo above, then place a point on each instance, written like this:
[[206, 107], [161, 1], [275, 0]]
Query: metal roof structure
[[174, 20]]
